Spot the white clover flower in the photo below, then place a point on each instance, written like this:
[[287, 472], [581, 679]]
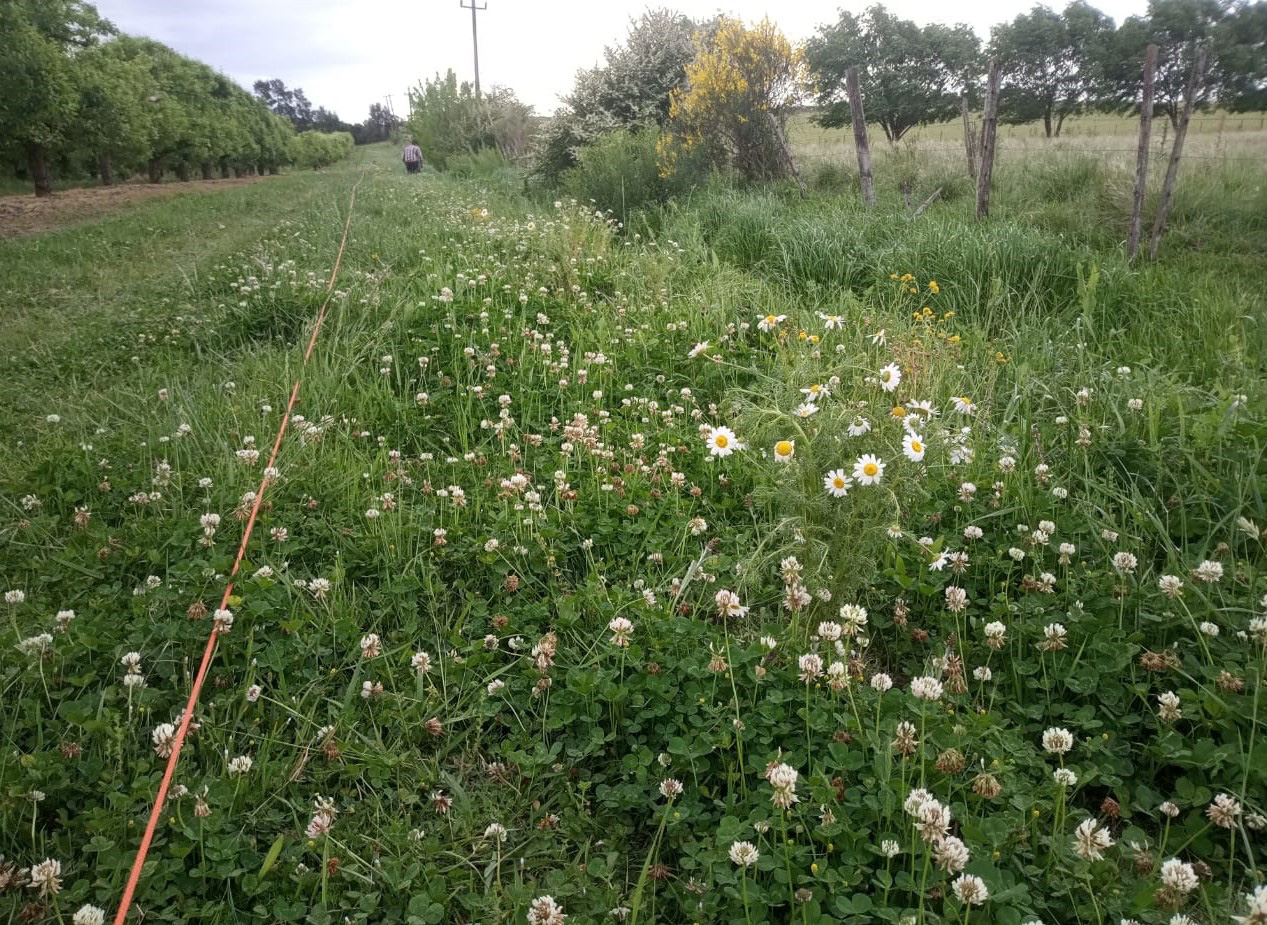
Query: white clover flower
[[926, 688], [881, 682], [1057, 740], [46, 877], [744, 853], [1125, 562], [970, 890], [1090, 840], [621, 629], [89, 915], [1179, 876], [545, 911], [1208, 571], [670, 787]]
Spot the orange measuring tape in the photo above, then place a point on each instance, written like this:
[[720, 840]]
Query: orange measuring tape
[[125, 902]]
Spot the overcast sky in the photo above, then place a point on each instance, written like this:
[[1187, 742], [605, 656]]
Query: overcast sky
[[346, 54]]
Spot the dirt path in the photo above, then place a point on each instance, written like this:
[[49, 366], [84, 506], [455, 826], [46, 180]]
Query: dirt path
[[25, 214]]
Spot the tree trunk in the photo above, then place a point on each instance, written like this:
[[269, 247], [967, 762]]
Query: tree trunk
[[237, 171], [106, 169], [1172, 170], [859, 120], [224, 170], [1141, 156], [260, 170], [1047, 122], [182, 171], [206, 170], [1060, 122], [37, 166], [989, 128], [156, 170]]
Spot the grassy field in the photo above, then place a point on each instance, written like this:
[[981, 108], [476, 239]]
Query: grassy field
[[764, 560]]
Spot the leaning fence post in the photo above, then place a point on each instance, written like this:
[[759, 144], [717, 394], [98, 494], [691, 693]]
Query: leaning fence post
[[1172, 170], [969, 137], [1141, 162], [989, 129], [860, 136]]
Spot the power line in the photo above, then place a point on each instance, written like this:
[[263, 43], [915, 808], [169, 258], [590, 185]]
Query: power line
[[475, 37]]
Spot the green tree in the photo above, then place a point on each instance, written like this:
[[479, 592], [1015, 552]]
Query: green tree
[[909, 74], [381, 124], [447, 119], [630, 90], [1240, 70], [113, 122], [1049, 62], [290, 104], [1178, 28], [38, 97]]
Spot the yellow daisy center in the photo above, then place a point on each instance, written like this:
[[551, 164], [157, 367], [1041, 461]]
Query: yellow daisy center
[[870, 468], [722, 440], [783, 448], [898, 412], [916, 446], [769, 319], [838, 482]]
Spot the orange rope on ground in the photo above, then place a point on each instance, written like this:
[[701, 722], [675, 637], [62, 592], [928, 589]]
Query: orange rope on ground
[[125, 901]]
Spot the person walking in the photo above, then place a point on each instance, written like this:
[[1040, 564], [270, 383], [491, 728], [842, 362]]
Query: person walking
[[412, 157]]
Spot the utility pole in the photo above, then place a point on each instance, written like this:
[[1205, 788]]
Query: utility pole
[[475, 36], [390, 108]]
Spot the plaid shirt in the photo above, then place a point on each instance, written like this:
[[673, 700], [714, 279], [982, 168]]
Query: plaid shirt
[[413, 154]]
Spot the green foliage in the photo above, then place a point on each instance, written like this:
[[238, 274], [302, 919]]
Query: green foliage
[[321, 149], [620, 173], [113, 124], [447, 119], [1049, 63], [123, 103], [1233, 36], [630, 90], [909, 74], [733, 108]]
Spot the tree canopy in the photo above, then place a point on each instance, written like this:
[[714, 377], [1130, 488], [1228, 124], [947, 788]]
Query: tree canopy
[[73, 91], [909, 74], [1050, 62]]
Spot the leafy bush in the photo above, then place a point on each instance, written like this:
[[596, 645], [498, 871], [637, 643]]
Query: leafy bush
[[320, 149], [631, 90], [447, 119]]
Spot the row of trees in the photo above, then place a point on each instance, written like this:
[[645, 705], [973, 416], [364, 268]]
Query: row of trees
[[76, 94], [293, 105], [1054, 64], [724, 89]]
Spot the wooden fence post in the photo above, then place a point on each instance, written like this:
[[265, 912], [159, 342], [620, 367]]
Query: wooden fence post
[[859, 120], [989, 129], [1172, 170], [969, 138], [1141, 161]]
